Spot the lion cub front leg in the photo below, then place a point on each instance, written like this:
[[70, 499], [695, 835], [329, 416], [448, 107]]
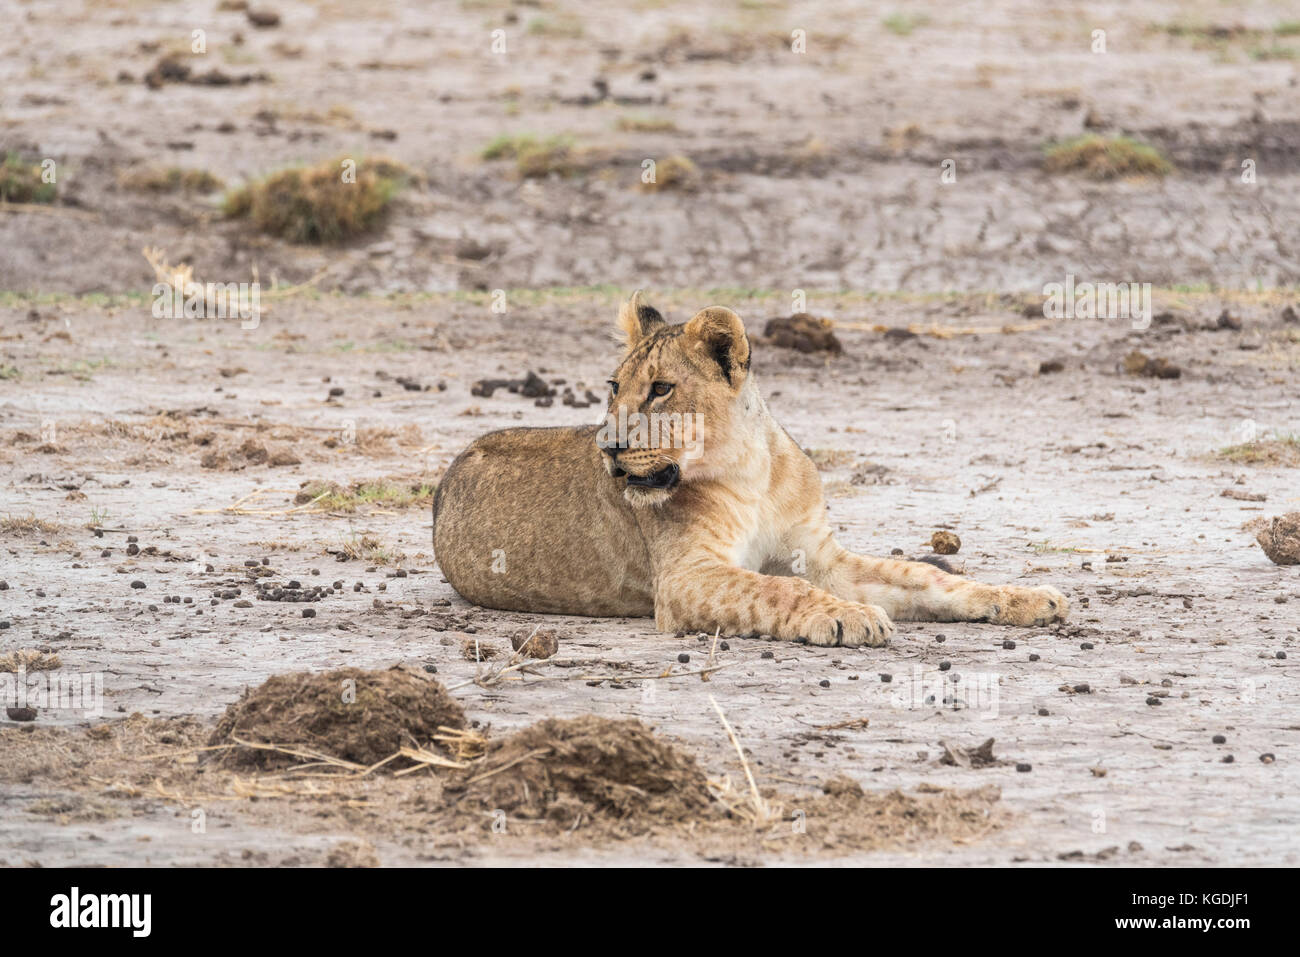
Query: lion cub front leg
[[918, 591], [713, 595]]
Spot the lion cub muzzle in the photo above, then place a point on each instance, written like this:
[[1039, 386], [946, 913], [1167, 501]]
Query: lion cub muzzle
[[664, 478]]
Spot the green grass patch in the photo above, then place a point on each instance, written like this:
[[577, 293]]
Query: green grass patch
[[20, 182], [902, 24], [535, 158]]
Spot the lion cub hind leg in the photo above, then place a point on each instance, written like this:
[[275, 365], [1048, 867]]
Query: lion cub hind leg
[[739, 601]]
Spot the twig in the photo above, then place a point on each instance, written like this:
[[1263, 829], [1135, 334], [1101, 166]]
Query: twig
[[760, 806]]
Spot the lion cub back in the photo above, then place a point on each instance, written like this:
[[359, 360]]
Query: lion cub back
[[528, 520]]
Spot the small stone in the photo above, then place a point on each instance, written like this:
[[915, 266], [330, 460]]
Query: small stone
[[137, 584], [1033, 658], [1281, 654], [886, 678], [824, 683], [1267, 757], [1153, 701], [1083, 688], [309, 613], [767, 654], [1043, 712], [1086, 646], [1024, 767], [1228, 759], [1008, 644], [723, 646], [684, 658], [1219, 739], [945, 665]]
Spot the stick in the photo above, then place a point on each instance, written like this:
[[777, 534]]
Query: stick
[[760, 805]]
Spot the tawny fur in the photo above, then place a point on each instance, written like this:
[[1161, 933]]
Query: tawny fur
[[544, 520]]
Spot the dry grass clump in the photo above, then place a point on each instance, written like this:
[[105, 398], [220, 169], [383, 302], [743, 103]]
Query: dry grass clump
[[365, 548], [171, 179], [1279, 451], [674, 173], [314, 204], [21, 182], [29, 659], [1102, 157], [646, 124], [28, 526], [379, 493]]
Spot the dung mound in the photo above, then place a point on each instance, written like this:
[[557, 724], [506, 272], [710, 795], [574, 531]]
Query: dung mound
[[356, 715], [803, 333], [846, 818], [571, 771], [1281, 539]]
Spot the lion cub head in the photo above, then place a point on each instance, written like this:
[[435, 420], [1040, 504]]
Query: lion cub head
[[682, 406]]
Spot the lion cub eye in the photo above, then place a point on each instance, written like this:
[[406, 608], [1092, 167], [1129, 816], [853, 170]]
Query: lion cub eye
[[661, 388], [613, 386]]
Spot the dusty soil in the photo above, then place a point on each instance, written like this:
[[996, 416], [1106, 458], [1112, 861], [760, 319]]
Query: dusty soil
[[819, 169], [1108, 485]]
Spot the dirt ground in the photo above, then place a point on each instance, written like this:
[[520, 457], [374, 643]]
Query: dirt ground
[[154, 471], [1104, 484]]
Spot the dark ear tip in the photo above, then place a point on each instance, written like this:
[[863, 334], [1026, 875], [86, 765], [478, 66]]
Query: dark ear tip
[[648, 314]]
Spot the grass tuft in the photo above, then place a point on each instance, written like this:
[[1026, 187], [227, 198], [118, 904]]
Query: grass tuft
[[1101, 157], [315, 204], [171, 179], [674, 172]]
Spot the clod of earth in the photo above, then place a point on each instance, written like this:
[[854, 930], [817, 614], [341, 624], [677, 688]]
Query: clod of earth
[[1139, 363], [1281, 539], [945, 543], [352, 714], [249, 452], [536, 644], [173, 69], [980, 757], [531, 386], [803, 333]]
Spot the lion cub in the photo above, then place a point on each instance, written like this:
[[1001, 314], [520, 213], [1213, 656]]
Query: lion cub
[[689, 503]]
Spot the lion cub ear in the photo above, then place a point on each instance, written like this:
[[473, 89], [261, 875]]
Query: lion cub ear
[[637, 320], [721, 334]]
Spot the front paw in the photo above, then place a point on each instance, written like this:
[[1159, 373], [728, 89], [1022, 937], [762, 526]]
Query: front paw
[[845, 623], [1027, 607]]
